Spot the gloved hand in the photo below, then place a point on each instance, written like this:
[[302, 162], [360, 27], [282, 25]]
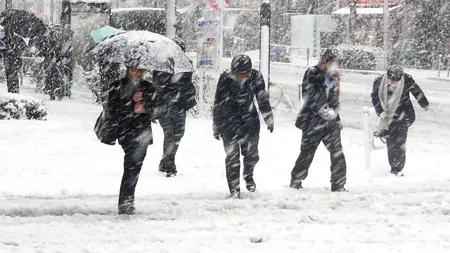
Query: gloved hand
[[328, 114], [216, 133], [270, 127]]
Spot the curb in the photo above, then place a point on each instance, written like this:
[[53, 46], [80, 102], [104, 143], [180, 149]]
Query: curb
[[439, 79]]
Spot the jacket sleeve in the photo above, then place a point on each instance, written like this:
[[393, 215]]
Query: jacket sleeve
[[218, 107], [153, 107], [311, 91], [375, 97], [187, 90], [262, 97], [417, 92], [111, 106], [335, 103]]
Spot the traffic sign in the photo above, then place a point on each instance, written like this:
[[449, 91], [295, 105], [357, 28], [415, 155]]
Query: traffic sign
[[219, 4]]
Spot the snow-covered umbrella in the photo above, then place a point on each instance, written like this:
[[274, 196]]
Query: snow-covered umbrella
[[22, 23], [151, 51]]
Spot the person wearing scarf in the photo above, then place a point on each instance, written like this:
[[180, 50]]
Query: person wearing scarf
[[390, 98], [320, 122]]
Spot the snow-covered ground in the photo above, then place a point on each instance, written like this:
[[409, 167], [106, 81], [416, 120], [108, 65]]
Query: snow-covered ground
[[59, 186]]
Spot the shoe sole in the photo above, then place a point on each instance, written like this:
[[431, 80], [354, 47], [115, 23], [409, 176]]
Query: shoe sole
[[251, 189]]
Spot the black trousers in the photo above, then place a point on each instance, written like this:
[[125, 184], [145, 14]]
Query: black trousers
[[134, 157], [331, 138], [12, 69], [396, 146], [173, 125], [248, 147], [54, 82]]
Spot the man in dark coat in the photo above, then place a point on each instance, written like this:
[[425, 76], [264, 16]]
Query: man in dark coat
[[177, 92], [320, 122], [12, 49], [53, 63], [236, 119], [390, 97], [131, 106]]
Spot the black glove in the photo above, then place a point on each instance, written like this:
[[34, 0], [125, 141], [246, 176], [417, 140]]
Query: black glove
[[270, 127], [216, 133]]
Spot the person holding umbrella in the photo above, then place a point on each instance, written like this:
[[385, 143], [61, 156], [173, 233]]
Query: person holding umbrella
[[19, 27], [131, 106], [132, 102]]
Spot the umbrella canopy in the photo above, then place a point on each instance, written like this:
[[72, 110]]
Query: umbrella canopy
[[104, 32], [144, 50], [22, 23]]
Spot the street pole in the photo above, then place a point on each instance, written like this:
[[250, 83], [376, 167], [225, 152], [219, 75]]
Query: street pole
[[171, 19], [351, 22], [52, 12], [8, 4], [386, 33], [264, 55], [220, 43], [66, 22]]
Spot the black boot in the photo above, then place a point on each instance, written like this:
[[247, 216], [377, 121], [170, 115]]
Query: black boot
[[127, 207], [338, 188], [296, 184], [162, 168], [235, 194], [171, 174], [397, 173], [250, 184]]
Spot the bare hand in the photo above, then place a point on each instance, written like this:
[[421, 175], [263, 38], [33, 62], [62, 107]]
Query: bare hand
[[384, 115], [137, 96], [139, 108]]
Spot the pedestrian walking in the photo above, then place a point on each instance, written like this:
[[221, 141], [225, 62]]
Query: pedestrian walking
[[236, 120], [392, 103], [177, 92], [131, 107], [319, 121]]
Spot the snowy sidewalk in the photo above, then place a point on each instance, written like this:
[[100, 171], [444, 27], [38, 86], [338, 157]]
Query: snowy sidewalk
[[59, 185]]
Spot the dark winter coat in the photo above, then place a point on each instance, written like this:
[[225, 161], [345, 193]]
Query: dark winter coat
[[405, 111], [129, 125], [53, 63], [175, 90], [14, 46], [234, 111], [314, 94]]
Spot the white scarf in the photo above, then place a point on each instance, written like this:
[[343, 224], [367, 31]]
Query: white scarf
[[389, 104]]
